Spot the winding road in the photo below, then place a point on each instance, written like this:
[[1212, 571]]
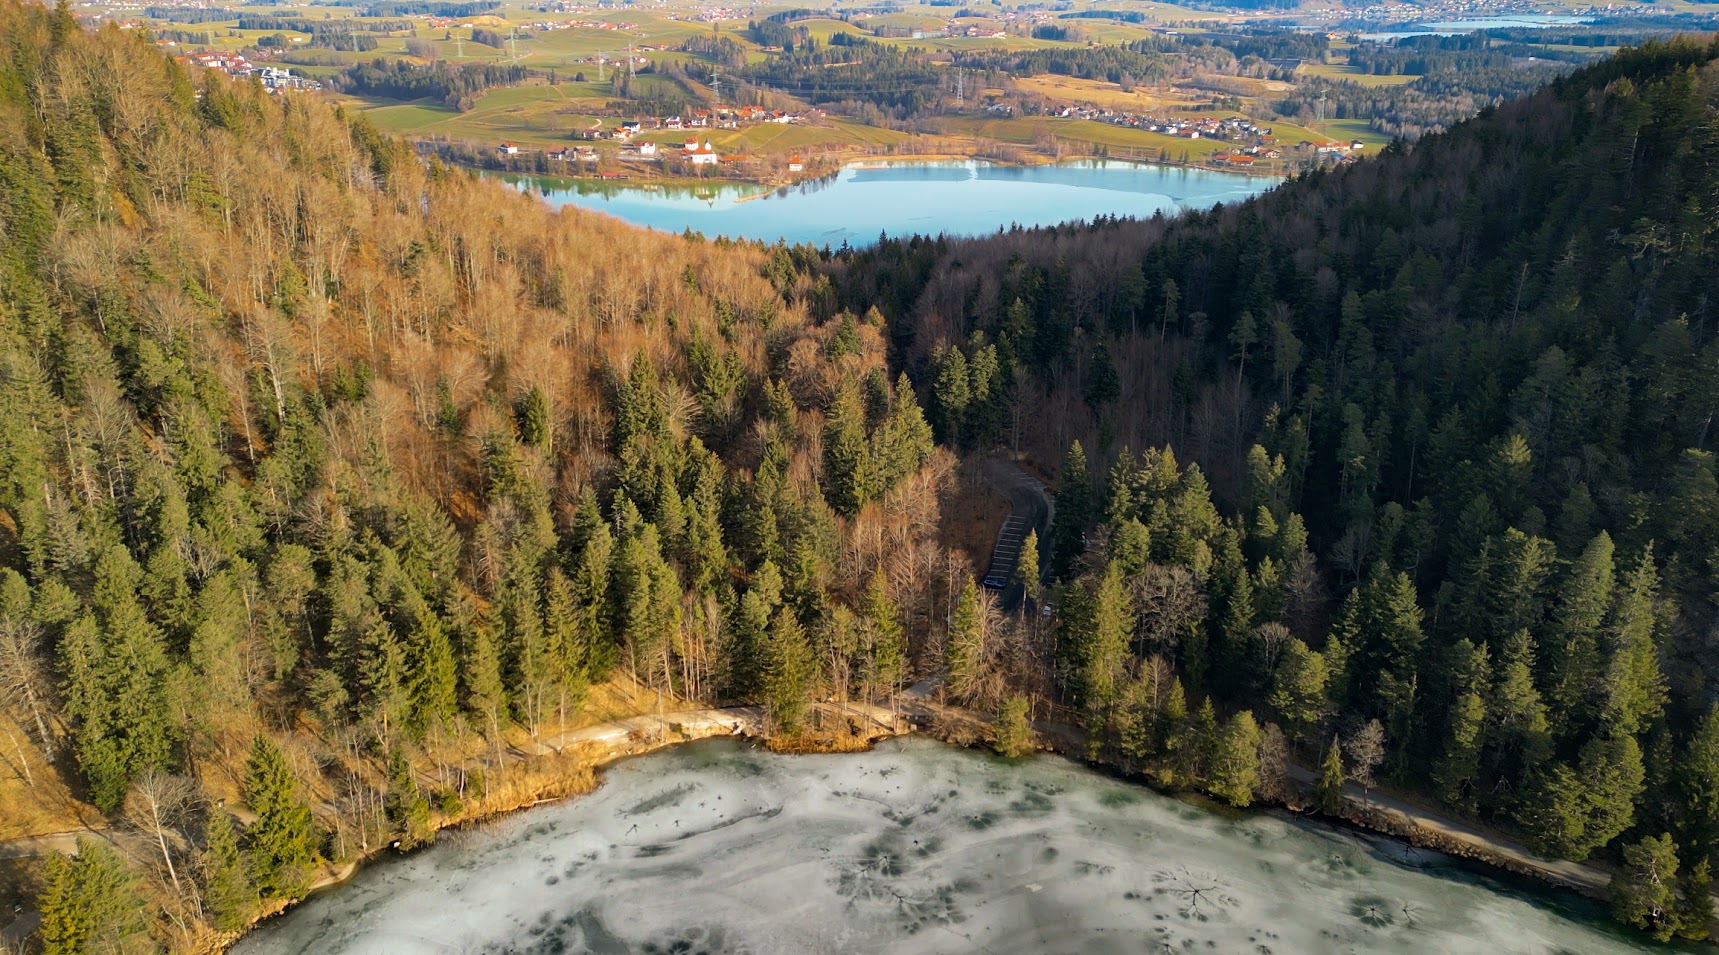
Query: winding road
[[1030, 509]]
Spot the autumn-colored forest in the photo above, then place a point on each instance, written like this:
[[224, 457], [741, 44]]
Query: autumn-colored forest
[[329, 475]]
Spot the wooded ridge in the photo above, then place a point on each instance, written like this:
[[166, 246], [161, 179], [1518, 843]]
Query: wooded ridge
[[327, 473]]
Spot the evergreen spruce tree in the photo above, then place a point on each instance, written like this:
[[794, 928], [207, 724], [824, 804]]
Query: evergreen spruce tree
[[1328, 793], [229, 895], [1633, 691], [1697, 778], [966, 645], [1643, 889], [848, 468], [93, 905], [408, 808], [1694, 915], [1073, 513], [282, 842], [1105, 657], [1235, 770], [789, 670], [1027, 572], [1572, 656], [886, 652], [1014, 733], [1299, 689]]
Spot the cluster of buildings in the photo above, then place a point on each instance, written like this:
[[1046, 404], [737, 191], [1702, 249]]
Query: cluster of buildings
[[711, 14], [720, 117], [1226, 129], [1435, 10], [695, 151], [1321, 152], [993, 25], [275, 79], [956, 29]]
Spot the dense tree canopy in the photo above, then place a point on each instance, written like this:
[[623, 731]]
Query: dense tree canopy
[[327, 473], [1442, 450]]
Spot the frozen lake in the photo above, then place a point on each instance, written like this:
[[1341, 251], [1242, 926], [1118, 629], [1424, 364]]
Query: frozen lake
[[716, 847], [859, 202]]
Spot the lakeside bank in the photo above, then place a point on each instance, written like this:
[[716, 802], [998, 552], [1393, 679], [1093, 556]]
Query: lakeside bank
[[570, 766]]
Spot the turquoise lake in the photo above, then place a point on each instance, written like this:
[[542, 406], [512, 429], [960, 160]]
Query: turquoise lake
[[862, 201]]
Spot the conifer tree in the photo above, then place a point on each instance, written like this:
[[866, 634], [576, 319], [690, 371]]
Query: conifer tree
[[1235, 769], [1298, 692], [1328, 793], [1104, 658], [1643, 889], [92, 904], [229, 895], [1073, 513], [1014, 733], [886, 653], [1459, 765], [1027, 572], [1572, 657], [535, 425], [408, 808], [1694, 916], [848, 468], [966, 645], [789, 669], [1633, 691], [282, 842], [1698, 786], [1172, 726]]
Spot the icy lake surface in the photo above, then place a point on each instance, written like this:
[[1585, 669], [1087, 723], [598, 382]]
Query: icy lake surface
[[719, 848]]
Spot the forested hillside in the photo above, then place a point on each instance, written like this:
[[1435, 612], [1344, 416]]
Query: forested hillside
[[1456, 406], [325, 473], [328, 475]]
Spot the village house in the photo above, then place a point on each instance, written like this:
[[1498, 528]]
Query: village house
[[794, 164], [508, 149], [647, 150], [704, 155]]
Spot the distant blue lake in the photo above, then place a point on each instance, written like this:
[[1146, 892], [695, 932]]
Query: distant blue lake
[[862, 201], [1524, 21]]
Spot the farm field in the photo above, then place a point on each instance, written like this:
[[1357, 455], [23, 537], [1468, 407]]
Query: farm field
[[568, 91], [1030, 130], [1343, 72]]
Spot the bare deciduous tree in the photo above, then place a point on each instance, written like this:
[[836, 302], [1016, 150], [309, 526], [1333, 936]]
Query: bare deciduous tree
[[1366, 750], [24, 676], [156, 804]]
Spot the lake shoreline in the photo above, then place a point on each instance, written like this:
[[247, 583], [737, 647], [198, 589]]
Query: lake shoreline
[[902, 197], [610, 744]]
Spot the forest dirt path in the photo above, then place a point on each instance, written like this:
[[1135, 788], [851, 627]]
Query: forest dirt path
[[42, 844], [1581, 876]]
